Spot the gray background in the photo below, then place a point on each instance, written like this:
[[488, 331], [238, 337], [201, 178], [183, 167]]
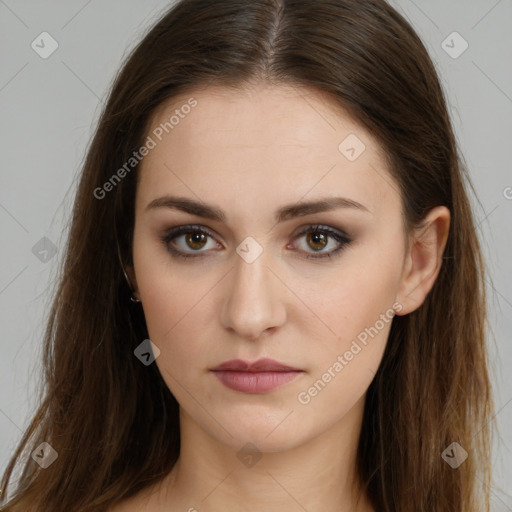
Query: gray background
[[49, 108]]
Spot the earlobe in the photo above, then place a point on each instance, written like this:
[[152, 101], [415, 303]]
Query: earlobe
[[424, 259]]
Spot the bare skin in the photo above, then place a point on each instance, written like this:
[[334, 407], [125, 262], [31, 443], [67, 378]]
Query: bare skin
[[249, 153]]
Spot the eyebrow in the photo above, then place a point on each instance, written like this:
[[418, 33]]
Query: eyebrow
[[284, 213]]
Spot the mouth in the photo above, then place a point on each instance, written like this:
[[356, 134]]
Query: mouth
[[259, 376]]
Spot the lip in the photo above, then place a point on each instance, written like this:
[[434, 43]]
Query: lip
[[255, 377], [261, 365]]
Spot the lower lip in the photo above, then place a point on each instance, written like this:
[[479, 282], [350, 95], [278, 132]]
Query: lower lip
[[255, 382]]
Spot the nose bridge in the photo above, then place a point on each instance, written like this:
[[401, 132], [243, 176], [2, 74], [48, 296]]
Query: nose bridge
[[254, 300]]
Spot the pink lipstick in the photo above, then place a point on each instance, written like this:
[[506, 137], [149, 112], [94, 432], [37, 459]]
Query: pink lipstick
[[257, 377]]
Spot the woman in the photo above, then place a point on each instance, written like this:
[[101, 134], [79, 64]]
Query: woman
[[273, 291]]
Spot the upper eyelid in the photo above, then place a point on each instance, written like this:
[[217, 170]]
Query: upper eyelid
[[302, 229], [331, 231]]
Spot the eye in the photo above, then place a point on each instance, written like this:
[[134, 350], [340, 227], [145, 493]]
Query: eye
[[186, 238], [190, 241], [319, 237]]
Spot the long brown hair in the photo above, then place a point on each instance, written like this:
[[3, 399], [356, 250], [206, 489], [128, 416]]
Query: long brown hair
[[112, 421]]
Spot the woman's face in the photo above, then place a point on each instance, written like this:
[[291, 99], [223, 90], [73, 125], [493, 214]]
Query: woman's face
[[266, 276]]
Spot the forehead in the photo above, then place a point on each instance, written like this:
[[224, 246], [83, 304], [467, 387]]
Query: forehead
[[289, 111], [265, 140]]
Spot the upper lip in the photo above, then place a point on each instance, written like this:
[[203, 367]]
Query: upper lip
[[261, 365]]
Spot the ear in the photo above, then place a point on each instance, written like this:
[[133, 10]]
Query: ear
[[130, 271], [423, 259]]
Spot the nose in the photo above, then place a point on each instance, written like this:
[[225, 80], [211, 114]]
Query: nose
[[254, 302]]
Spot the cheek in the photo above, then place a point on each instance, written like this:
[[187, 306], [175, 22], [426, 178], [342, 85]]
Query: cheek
[[176, 317], [360, 312], [170, 291], [340, 382], [363, 290], [358, 309], [178, 301]]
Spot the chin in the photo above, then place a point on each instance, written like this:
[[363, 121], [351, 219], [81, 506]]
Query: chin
[[263, 430]]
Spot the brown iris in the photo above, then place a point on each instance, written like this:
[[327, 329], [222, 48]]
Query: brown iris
[[316, 240], [196, 240]]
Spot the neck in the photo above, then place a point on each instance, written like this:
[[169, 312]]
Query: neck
[[318, 475]]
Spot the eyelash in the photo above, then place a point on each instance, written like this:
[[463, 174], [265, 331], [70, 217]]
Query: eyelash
[[340, 237]]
